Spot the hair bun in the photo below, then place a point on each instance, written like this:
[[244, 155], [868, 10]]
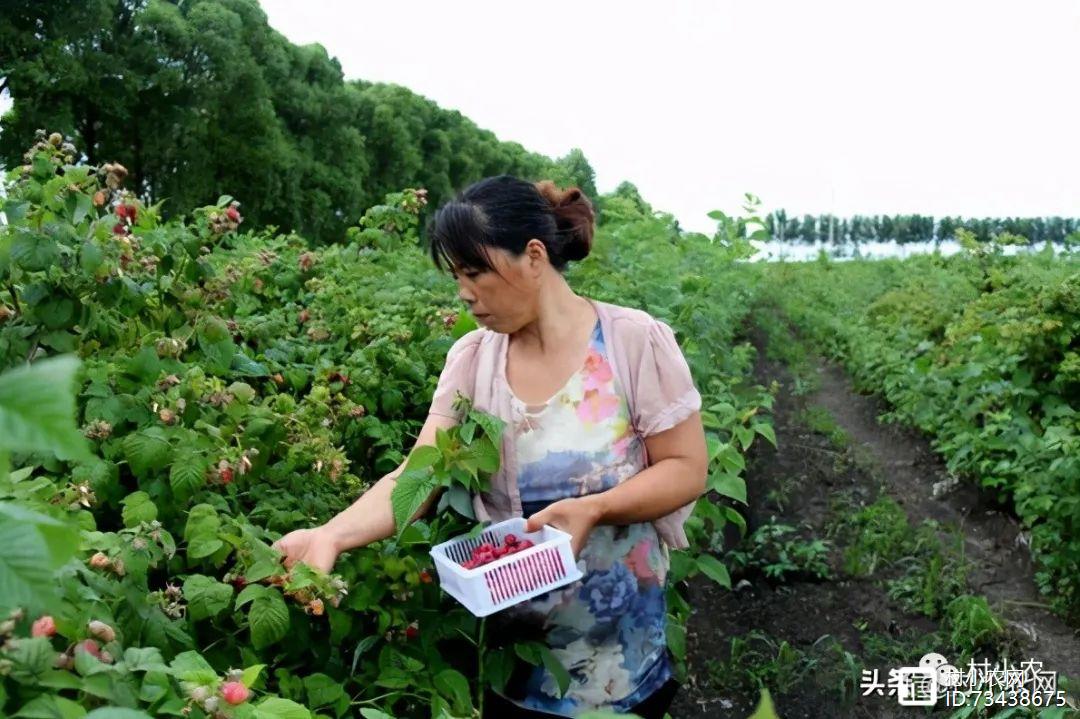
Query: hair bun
[[574, 218]]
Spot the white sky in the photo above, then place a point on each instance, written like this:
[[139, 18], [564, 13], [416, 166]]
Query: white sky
[[937, 107]]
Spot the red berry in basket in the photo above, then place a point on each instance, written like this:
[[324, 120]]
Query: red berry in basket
[[510, 540], [525, 544]]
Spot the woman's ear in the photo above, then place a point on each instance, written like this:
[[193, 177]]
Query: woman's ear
[[537, 254]]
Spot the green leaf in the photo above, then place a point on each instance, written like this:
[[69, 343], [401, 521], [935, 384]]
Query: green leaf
[[529, 651], [49, 706], [37, 409], [556, 668], [465, 323], [411, 490], [138, 507], [765, 709], [34, 253], [191, 667], [35, 545], [498, 667], [247, 367], [250, 593], [147, 451], [83, 206], [745, 435], [278, 708], [676, 639], [766, 431], [206, 596], [461, 500], [187, 474], [712, 568], [728, 485], [268, 619], [201, 531], [454, 686], [31, 658], [423, 456], [369, 713], [493, 426], [144, 659], [117, 713], [322, 690], [251, 674]]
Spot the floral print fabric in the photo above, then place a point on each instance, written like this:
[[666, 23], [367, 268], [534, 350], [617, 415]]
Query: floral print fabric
[[608, 627]]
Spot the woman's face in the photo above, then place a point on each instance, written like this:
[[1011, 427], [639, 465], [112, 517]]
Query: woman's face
[[504, 300]]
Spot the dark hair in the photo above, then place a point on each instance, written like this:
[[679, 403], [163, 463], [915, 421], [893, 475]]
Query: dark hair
[[505, 211]]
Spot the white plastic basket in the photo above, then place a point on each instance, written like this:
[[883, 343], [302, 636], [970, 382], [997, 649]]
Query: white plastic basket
[[510, 579]]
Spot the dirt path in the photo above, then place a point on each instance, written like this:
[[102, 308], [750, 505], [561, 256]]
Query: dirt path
[[820, 504]]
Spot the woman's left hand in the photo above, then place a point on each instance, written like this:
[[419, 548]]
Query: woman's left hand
[[575, 515]]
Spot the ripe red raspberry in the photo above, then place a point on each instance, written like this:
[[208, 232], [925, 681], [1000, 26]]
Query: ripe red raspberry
[[412, 632], [425, 576], [43, 627], [233, 214], [525, 544], [225, 474], [510, 540], [235, 692]]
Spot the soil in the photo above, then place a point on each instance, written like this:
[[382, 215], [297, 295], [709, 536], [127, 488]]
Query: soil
[[855, 613]]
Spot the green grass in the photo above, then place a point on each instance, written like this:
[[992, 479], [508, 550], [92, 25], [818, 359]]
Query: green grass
[[820, 420]]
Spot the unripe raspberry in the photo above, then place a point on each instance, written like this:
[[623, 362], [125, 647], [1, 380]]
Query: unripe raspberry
[[100, 560], [316, 607], [64, 661], [45, 626], [200, 694], [102, 631], [235, 693], [211, 704]]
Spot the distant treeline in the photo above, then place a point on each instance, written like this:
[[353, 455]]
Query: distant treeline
[[914, 228], [198, 97]]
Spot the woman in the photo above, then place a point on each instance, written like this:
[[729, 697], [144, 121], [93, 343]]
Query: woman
[[603, 440]]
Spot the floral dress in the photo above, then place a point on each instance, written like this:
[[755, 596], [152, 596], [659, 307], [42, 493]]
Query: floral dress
[[607, 628]]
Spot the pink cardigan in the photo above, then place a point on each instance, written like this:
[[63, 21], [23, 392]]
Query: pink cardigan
[[644, 356]]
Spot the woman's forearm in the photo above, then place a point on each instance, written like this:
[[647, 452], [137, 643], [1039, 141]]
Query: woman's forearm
[[650, 494], [371, 517]]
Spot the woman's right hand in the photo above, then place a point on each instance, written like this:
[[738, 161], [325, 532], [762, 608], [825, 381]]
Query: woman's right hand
[[314, 546]]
